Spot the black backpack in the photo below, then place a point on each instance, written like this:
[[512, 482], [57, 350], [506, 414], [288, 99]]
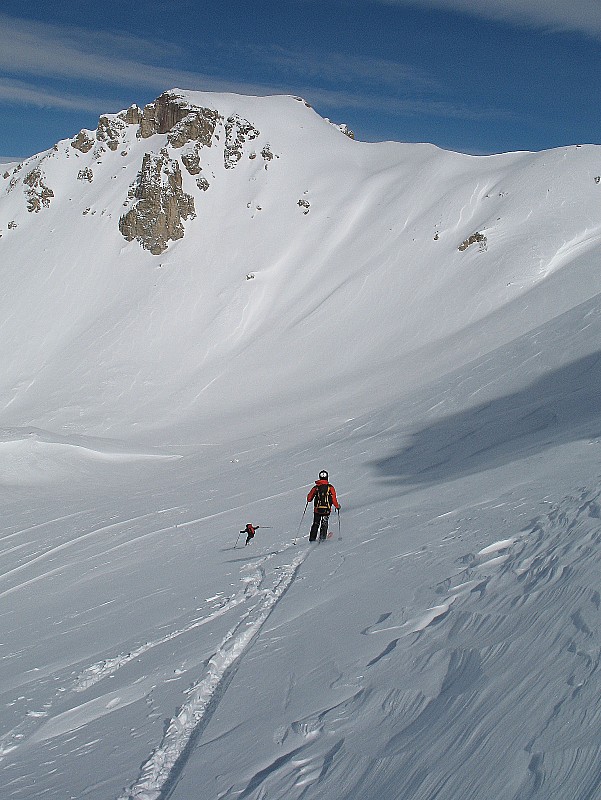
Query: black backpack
[[323, 499]]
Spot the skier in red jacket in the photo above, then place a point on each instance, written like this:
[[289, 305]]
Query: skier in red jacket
[[250, 531], [324, 497]]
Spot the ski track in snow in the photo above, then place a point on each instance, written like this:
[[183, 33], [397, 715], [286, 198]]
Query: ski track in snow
[[96, 672], [29, 728], [539, 582], [166, 762]]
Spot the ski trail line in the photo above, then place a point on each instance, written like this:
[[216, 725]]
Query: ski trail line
[[163, 767], [52, 551], [103, 669], [95, 673]]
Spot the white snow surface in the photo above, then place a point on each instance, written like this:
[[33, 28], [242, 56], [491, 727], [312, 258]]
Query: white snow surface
[[444, 643]]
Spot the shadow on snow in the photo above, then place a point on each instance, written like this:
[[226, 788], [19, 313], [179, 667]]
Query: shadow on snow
[[560, 407]]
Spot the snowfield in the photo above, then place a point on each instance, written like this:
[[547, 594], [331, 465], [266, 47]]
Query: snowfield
[[424, 325]]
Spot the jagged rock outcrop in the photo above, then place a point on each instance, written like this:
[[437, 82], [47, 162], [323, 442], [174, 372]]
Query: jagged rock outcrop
[[110, 131], [85, 175], [346, 130], [160, 204], [83, 142], [237, 132], [267, 154], [133, 115], [475, 238], [13, 178], [157, 204], [193, 132], [38, 194], [163, 114], [191, 160], [197, 126]]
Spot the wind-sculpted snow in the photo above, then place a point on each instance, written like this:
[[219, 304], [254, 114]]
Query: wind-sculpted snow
[[492, 689]]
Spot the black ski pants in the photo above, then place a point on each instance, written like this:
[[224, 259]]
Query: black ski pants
[[320, 523]]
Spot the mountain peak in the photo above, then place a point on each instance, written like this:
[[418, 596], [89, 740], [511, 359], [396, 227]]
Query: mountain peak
[[179, 144]]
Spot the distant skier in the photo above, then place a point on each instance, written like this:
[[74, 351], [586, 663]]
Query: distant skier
[[250, 532], [324, 497]]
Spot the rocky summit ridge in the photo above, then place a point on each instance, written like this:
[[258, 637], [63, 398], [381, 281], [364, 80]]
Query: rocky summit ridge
[[179, 134]]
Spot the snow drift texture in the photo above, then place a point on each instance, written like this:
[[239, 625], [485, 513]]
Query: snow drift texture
[[206, 301]]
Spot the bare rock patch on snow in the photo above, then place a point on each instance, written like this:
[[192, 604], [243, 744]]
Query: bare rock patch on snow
[[160, 204], [476, 238], [38, 194], [83, 142]]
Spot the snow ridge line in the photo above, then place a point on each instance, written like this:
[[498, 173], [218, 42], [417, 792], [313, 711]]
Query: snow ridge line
[[162, 766]]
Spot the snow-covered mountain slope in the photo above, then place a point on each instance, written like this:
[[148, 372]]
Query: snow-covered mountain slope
[[112, 327], [205, 302]]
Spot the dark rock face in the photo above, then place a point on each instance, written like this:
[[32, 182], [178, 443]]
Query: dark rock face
[[160, 204], [197, 126], [133, 115], [475, 238], [110, 132], [191, 161], [163, 114], [192, 133], [82, 142], [85, 175]]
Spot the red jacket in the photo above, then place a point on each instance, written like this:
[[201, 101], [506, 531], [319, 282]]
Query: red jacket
[[333, 497]]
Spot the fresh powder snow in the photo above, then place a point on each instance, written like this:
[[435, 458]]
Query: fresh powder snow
[[426, 326]]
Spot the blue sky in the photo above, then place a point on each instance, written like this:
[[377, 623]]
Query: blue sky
[[477, 76]]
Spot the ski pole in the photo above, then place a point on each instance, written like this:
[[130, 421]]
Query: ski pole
[[302, 518], [239, 535], [339, 533]]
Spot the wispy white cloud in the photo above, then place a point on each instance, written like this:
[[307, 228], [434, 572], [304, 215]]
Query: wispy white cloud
[[338, 81], [51, 51], [34, 55], [407, 107], [583, 16], [37, 60], [22, 93], [333, 67]]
